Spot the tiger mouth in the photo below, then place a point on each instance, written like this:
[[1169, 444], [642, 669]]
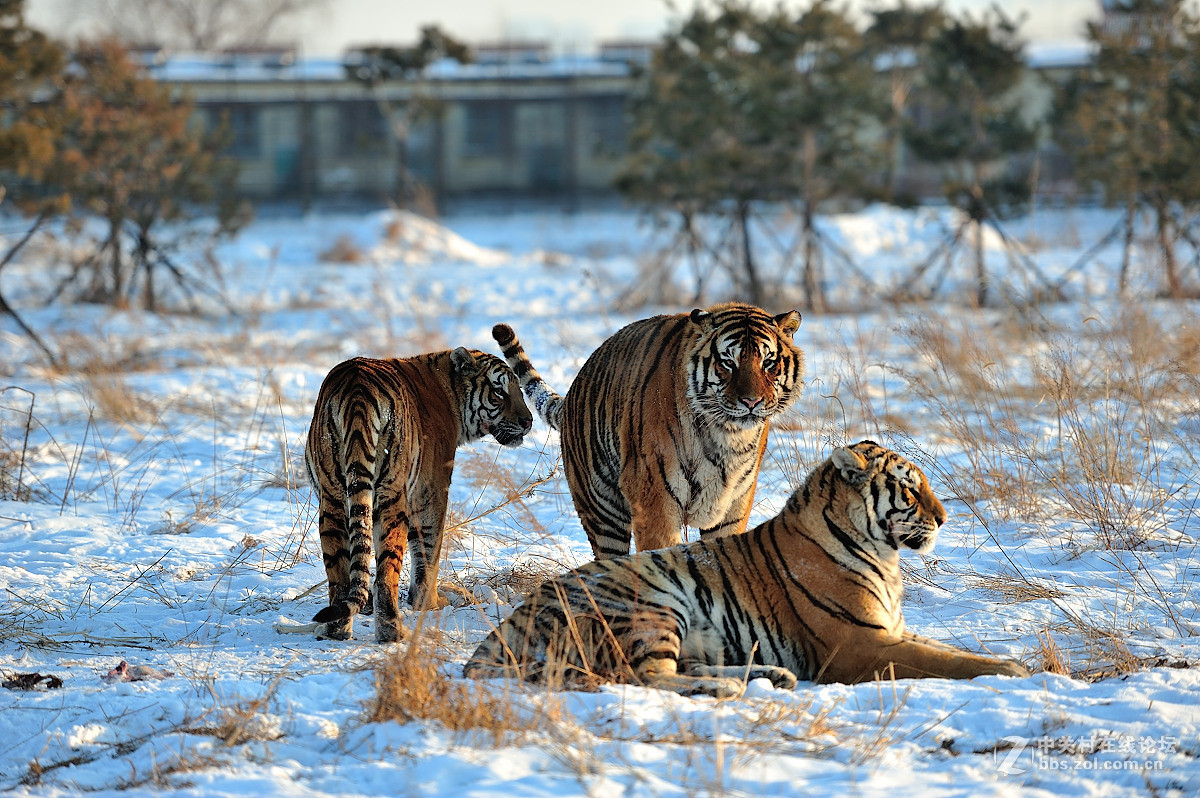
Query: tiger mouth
[[919, 539], [740, 413], [508, 436]]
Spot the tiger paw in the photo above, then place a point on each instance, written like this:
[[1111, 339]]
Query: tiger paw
[[336, 630], [450, 595], [1010, 667], [390, 631], [780, 678], [721, 688]]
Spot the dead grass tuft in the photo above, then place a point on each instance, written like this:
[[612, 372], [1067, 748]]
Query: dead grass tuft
[[412, 686], [1049, 656], [343, 250], [1014, 588]]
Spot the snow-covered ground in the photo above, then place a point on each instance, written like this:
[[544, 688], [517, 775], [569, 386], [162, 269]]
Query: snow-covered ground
[[155, 514]]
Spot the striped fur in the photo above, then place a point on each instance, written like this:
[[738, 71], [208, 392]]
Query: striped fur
[[666, 423], [812, 594], [380, 455]]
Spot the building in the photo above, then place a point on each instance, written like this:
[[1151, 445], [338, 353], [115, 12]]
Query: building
[[516, 122]]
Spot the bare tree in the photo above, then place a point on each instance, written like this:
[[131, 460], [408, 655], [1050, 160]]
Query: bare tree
[[194, 24]]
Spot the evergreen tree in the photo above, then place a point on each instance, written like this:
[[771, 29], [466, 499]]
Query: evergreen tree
[[739, 108], [130, 154], [688, 141], [975, 128], [1132, 124], [899, 39], [30, 64], [816, 86], [375, 67]]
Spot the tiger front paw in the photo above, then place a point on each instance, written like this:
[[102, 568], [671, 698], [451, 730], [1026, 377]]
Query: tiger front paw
[[1010, 667], [781, 678]]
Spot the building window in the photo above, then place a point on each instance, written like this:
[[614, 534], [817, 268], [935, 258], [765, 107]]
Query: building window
[[488, 128], [363, 129], [607, 128], [244, 130]]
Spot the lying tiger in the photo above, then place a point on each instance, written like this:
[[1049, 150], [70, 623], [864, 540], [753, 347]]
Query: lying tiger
[[812, 594]]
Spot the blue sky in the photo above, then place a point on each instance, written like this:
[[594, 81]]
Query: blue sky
[[567, 25]]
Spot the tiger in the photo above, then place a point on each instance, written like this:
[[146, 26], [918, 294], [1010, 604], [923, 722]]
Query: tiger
[[380, 456], [812, 594], [666, 423]]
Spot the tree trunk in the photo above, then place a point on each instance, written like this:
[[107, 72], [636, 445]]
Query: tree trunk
[[142, 261], [814, 294], [1166, 248], [743, 211], [981, 275], [1127, 248], [116, 265], [693, 250]]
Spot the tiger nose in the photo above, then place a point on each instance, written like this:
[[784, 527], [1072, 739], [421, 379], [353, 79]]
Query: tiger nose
[[751, 402], [935, 507]]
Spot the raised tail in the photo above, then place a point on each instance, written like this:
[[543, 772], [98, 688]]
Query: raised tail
[[546, 401]]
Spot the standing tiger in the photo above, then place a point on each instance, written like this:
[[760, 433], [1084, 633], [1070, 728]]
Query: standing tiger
[[813, 594], [666, 422], [380, 455]]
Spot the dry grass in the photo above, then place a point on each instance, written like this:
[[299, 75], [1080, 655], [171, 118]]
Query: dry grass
[[1049, 657], [412, 686], [1013, 588], [343, 250]]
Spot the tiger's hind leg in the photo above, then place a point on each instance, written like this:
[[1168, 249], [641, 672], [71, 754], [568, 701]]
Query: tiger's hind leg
[[864, 658], [391, 536], [425, 538], [335, 552], [351, 550], [654, 651], [603, 514]]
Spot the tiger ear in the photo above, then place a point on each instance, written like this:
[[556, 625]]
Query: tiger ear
[[463, 361], [851, 465], [788, 322], [702, 318]]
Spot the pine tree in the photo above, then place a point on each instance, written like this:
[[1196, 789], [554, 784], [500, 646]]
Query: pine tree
[[816, 83], [740, 108], [30, 64], [689, 141], [899, 38], [375, 67], [975, 128], [130, 154], [1132, 124]]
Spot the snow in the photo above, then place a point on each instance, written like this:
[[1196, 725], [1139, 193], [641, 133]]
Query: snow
[[158, 551]]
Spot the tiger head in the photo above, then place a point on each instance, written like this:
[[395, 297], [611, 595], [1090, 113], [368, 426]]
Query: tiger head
[[489, 397], [899, 505], [744, 367]]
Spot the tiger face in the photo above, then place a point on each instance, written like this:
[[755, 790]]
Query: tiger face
[[490, 400], [899, 504], [744, 373]]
